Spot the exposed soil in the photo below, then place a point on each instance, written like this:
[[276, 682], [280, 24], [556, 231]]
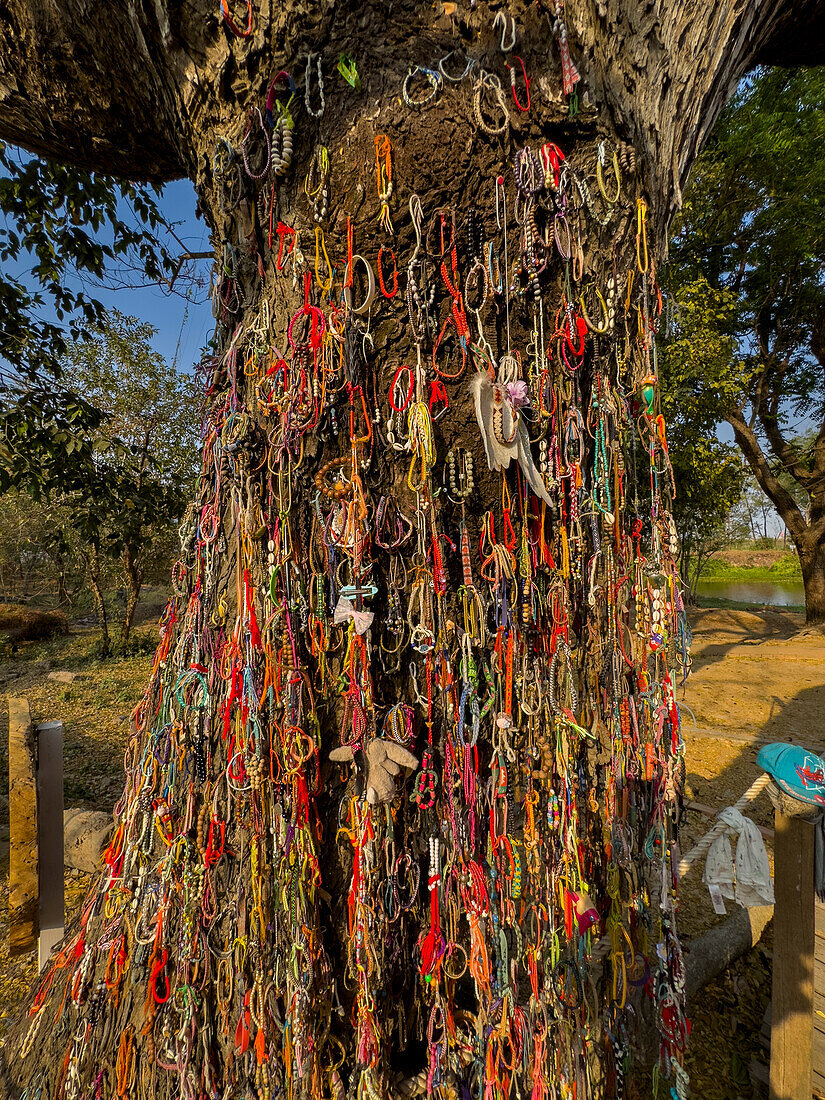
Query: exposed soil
[[757, 678]]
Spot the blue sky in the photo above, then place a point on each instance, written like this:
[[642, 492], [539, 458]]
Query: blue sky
[[183, 316], [181, 327]]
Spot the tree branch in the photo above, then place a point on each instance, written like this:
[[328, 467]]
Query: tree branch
[[669, 69], [798, 37], [99, 84], [782, 500], [785, 451], [130, 87]]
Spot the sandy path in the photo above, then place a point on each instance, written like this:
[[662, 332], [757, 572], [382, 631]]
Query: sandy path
[[756, 678]]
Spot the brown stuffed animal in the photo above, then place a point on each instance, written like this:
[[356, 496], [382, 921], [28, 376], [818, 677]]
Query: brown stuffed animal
[[385, 759]]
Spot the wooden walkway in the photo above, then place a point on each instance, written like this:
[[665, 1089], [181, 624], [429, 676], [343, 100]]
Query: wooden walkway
[[819, 1001]]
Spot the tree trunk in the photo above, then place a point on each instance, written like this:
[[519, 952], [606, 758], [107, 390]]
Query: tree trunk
[[806, 530], [134, 578], [63, 598], [285, 909], [812, 563], [92, 559]]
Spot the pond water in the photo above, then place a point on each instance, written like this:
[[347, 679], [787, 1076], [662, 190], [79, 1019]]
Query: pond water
[[778, 593]]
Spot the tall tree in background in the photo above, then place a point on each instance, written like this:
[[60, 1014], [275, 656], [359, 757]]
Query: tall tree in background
[[151, 433], [748, 263], [122, 480], [259, 926], [694, 356], [66, 228]]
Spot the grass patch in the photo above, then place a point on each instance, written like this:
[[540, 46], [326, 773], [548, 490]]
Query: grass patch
[[705, 602], [724, 571], [785, 567]]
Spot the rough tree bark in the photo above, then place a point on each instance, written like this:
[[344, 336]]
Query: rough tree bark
[[806, 531], [93, 572], [133, 571], [145, 89]]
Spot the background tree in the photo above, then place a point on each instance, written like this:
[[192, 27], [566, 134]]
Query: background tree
[[751, 235], [33, 557], [121, 483], [710, 481], [699, 350], [66, 229], [151, 417]]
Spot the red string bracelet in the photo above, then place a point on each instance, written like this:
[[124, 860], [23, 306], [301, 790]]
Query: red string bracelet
[[384, 291], [227, 18], [524, 109]]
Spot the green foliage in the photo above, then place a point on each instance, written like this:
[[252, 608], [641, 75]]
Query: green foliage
[[787, 566], [150, 407], [753, 229], [709, 478], [700, 363], [747, 276], [57, 221], [698, 352], [66, 230], [122, 486]]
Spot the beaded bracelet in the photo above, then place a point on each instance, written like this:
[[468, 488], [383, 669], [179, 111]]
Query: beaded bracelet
[[490, 82], [461, 484], [281, 149], [340, 486], [476, 284], [601, 329], [316, 184], [587, 199], [528, 173], [256, 175], [416, 73], [307, 102]]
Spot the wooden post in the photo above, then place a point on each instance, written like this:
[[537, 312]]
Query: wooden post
[[23, 910], [793, 960], [50, 836]]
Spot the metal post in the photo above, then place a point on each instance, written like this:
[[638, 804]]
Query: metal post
[[50, 836]]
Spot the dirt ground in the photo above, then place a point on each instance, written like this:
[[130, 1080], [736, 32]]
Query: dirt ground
[[756, 677]]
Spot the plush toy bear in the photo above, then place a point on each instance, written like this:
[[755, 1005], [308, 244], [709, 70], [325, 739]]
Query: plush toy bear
[[385, 759]]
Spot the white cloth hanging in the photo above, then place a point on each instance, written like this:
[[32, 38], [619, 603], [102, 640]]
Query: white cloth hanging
[[749, 881]]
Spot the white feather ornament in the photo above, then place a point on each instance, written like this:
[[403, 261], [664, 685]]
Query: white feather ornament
[[502, 432]]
